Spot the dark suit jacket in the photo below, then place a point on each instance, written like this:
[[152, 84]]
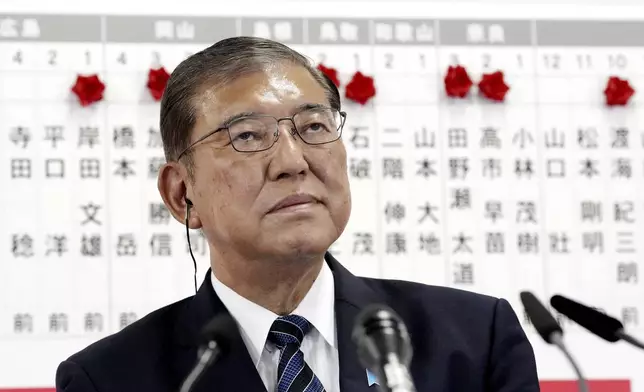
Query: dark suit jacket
[[463, 342]]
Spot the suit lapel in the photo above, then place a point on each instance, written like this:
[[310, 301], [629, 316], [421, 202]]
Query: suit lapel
[[234, 372], [351, 296]]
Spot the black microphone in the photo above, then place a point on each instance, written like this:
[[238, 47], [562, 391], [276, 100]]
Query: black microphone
[[384, 347], [217, 337], [550, 331], [598, 323]]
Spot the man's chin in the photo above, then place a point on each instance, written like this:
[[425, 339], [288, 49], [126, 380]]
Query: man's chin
[[300, 244], [302, 250]]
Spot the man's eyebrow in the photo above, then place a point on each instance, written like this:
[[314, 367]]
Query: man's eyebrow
[[235, 117], [308, 106], [300, 108]]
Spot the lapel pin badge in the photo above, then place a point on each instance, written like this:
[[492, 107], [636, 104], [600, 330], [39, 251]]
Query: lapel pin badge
[[371, 378]]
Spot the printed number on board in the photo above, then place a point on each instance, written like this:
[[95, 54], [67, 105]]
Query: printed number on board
[[552, 61], [52, 57], [322, 59], [389, 59], [17, 57], [584, 61], [423, 62], [390, 62], [122, 58], [617, 61], [487, 59]]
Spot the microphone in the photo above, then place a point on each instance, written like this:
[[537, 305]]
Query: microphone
[[384, 347], [550, 331], [598, 323], [217, 336]]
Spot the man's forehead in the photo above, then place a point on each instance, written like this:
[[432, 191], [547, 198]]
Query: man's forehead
[[277, 93]]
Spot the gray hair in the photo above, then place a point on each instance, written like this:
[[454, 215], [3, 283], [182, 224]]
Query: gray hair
[[216, 66]]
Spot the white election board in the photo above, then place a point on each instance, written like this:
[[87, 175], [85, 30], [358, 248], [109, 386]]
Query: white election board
[[541, 192]]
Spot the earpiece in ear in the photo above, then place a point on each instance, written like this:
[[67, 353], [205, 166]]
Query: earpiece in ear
[[188, 206], [194, 262]]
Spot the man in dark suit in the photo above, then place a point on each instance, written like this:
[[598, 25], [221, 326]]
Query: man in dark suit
[[255, 159]]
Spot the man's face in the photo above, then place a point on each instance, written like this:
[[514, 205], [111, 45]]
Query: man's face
[[234, 193]]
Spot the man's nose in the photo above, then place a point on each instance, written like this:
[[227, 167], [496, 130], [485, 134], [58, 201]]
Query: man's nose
[[288, 159]]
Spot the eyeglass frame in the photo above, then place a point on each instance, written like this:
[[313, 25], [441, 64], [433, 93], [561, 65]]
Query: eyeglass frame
[[343, 117]]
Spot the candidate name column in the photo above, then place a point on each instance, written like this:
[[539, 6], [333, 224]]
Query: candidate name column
[[139, 50], [489, 182], [344, 45], [604, 173], [407, 116], [22, 320]]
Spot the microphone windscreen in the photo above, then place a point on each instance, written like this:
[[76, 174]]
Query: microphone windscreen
[[376, 316], [541, 318], [221, 329], [593, 320], [379, 331]]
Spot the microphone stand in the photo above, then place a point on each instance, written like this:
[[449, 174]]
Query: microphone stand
[[396, 376], [205, 358], [557, 339], [629, 338]]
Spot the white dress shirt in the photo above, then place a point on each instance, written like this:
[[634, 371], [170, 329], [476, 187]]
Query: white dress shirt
[[319, 345]]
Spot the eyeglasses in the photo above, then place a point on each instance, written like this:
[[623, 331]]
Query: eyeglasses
[[260, 132]]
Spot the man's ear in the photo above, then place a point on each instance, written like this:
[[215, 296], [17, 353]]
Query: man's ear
[[172, 187]]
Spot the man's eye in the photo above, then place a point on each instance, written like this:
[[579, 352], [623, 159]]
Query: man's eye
[[245, 136], [315, 127]]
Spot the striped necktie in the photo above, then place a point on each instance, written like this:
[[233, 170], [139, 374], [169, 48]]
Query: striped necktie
[[293, 374]]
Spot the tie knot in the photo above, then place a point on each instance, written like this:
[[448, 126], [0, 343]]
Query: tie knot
[[289, 329]]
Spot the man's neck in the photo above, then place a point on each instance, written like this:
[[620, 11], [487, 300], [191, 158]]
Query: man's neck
[[276, 286]]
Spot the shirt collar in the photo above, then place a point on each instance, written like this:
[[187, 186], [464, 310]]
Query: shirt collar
[[318, 307]]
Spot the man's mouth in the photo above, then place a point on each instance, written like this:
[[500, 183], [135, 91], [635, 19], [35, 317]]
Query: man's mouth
[[292, 201]]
